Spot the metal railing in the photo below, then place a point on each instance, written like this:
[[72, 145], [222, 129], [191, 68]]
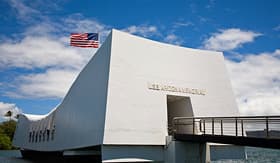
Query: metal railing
[[249, 126]]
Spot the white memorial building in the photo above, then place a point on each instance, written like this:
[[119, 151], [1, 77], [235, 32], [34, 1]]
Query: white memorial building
[[122, 103]]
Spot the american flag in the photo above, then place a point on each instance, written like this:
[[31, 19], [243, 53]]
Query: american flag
[[84, 40]]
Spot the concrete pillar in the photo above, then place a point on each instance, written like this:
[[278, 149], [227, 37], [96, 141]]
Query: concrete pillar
[[208, 155], [191, 152]]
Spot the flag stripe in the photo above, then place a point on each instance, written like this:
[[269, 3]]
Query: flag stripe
[[85, 40], [85, 45], [82, 44]]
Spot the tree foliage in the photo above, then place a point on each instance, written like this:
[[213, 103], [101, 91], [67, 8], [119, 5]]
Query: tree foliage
[[7, 130], [5, 142]]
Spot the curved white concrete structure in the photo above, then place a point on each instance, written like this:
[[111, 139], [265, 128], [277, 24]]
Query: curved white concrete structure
[[125, 99]]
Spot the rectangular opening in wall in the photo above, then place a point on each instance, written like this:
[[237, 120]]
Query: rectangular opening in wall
[[178, 106]]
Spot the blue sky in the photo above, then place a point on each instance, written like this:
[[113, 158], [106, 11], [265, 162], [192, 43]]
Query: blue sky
[[37, 65]]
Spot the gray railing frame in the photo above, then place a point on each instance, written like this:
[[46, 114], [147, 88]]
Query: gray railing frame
[[238, 120]]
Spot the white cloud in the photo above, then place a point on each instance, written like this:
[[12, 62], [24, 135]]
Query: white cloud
[[5, 107], [51, 64], [142, 30], [40, 52], [46, 44], [23, 11], [60, 64], [256, 83], [173, 39], [41, 29], [77, 23], [54, 83], [32, 11], [151, 30], [229, 39], [277, 28], [211, 4], [276, 53], [182, 24]]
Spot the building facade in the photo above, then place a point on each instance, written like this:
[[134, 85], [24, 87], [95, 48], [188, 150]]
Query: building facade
[[126, 97]]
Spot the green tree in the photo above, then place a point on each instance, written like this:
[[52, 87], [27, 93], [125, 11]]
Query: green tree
[[5, 142], [7, 130]]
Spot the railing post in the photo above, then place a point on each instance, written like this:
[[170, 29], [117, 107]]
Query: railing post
[[213, 131], [236, 127], [242, 129], [267, 129], [204, 126], [200, 125], [193, 125], [222, 128]]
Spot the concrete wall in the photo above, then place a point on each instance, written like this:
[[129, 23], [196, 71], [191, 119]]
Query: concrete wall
[[79, 119], [111, 102], [180, 107], [21, 132], [218, 152], [182, 152], [138, 115], [123, 153]]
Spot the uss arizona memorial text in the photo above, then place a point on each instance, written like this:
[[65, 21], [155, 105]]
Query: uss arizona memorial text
[[170, 88]]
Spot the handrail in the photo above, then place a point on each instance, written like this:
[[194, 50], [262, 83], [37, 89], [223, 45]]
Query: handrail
[[240, 117], [263, 126]]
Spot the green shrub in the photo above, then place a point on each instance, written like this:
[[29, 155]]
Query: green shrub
[[5, 142], [7, 130]]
